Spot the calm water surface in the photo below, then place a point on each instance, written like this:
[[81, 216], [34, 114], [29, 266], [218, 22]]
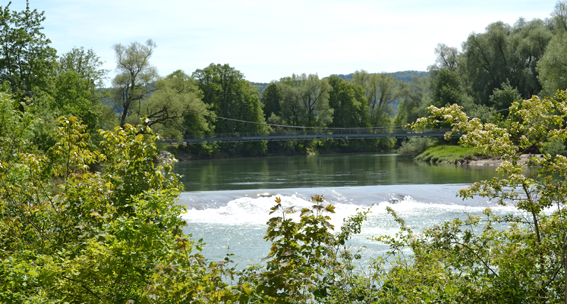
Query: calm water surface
[[322, 171]]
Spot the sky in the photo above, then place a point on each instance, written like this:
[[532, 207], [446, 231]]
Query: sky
[[269, 39]]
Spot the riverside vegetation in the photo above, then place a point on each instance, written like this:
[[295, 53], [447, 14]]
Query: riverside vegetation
[[86, 224], [86, 216]]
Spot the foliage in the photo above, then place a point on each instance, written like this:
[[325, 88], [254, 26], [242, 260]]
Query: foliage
[[518, 258], [552, 67], [349, 104], [505, 53], [307, 262], [73, 234], [554, 148], [503, 98], [304, 100], [74, 95], [26, 59], [447, 59], [85, 63], [381, 92], [134, 78], [230, 96], [413, 98], [446, 89], [175, 107], [271, 97], [415, 145]]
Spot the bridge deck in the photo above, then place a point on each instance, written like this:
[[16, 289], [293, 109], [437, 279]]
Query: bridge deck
[[314, 134]]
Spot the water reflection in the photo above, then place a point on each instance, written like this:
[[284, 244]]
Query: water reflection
[[321, 171]]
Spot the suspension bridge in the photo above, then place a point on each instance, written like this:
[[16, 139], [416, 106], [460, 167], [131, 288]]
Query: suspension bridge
[[314, 133]]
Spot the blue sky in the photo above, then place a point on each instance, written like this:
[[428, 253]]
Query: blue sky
[[269, 39]]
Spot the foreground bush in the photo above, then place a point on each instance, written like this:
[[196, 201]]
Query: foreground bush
[[79, 225], [72, 234]]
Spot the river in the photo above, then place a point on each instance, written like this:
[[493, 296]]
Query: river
[[228, 200]]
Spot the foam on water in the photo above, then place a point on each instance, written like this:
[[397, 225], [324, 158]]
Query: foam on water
[[237, 219]]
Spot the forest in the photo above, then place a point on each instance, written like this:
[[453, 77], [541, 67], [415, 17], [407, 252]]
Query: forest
[[88, 213]]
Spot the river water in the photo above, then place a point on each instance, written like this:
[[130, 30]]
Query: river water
[[228, 200]]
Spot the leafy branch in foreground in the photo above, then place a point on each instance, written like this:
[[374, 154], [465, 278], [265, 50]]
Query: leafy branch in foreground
[[517, 258], [307, 261], [72, 233]]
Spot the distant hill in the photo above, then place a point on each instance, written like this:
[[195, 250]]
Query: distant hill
[[401, 75], [261, 86]]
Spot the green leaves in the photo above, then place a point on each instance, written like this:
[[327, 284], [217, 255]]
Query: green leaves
[[512, 258]]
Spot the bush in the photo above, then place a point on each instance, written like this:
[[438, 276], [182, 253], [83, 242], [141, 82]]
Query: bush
[[416, 145]]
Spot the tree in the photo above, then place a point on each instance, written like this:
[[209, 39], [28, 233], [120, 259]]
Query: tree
[[292, 111], [446, 89], [447, 58], [74, 95], [349, 104], [413, 97], [175, 107], [75, 87], [135, 76], [505, 53], [271, 98], [304, 100], [381, 92], [552, 67], [230, 96], [503, 98], [559, 17], [85, 63], [26, 59], [314, 94]]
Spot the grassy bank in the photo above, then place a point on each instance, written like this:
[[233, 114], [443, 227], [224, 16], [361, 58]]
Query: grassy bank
[[447, 154]]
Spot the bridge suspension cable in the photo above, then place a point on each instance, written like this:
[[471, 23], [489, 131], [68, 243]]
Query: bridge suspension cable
[[316, 128], [287, 126]]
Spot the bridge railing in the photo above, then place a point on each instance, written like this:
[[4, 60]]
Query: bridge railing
[[313, 132]]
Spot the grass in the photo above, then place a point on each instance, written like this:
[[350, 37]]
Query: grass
[[447, 154]]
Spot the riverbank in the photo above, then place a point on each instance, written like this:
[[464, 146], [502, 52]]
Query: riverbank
[[448, 155], [462, 156]]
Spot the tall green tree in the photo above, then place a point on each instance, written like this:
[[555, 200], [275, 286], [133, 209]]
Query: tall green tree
[[76, 88], [27, 61], [446, 58], [413, 97], [505, 53], [230, 96], [381, 92], [559, 17], [175, 107], [314, 94], [304, 100], [86, 63], [135, 76], [292, 110], [349, 104], [271, 98], [446, 89], [552, 67]]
